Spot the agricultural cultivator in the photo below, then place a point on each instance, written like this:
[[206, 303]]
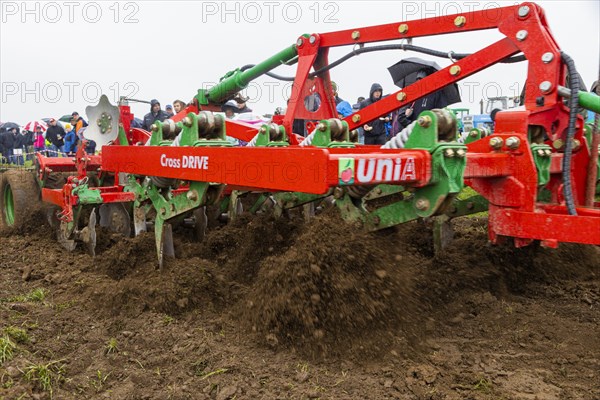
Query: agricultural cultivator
[[536, 174]]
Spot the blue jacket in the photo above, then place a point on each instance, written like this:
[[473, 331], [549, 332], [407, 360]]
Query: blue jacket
[[70, 141], [344, 108]]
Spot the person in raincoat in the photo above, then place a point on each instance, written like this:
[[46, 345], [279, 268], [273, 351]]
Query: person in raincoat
[[70, 140], [375, 131], [39, 142], [342, 107], [429, 102], [155, 114]]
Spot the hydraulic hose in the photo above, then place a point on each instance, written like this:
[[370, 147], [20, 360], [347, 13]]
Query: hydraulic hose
[[308, 140], [399, 141], [401, 46], [573, 106]]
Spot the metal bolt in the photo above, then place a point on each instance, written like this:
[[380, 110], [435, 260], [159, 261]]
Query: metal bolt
[[312, 39], [558, 144], [263, 130], [187, 121], [523, 11], [338, 193], [163, 211], [403, 28], [460, 21], [376, 220], [422, 204], [541, 153], [547, 57], [378, 190], [355, 35], [321, 127], [545, 86], [154, 127], [192, 195], [474, 133], [576, 144], [401, 96], [454, 70], [496, 143], [449, 153], [300, 42], [356, 118], [513, 142], [522, 35], [548, 152], [424, 121], [460, 153]]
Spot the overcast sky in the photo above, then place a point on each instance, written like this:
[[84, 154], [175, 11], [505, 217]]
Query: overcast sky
[[57, 57]]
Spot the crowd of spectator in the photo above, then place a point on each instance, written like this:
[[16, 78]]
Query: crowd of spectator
[[49, 136]]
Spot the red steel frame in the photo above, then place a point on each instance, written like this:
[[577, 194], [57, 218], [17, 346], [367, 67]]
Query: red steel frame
[[507, 178]]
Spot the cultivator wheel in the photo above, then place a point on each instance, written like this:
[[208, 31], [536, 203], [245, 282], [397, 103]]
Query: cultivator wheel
[[115, 217], [19, 199], [69, 234]]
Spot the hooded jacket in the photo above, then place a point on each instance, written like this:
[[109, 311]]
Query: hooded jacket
[[378, 125], [151, 117], [70, 141]]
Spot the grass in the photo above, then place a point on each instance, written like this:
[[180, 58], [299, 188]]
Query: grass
[[99, 380], [111, 346], [66, 305], [484, 385], [17, 334], [216, 372], [35, 296], [199, 367], [7, 348], [6, 382], [47, 376]]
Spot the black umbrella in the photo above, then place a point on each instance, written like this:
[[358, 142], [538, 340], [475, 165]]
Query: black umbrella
[[405, 73], [7, 126]]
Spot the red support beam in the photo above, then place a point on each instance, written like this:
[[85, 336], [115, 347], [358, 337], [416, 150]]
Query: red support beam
[[310, 170]]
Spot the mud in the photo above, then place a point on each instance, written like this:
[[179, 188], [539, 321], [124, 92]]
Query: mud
[[270, 308]]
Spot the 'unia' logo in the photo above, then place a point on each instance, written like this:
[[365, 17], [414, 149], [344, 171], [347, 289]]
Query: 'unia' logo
[[385, 170]]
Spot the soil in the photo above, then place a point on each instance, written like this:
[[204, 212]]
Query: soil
[[270, 308]]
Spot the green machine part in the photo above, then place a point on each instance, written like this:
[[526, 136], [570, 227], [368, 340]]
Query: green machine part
[[236, 80], [589, 101], [474, 135], [448, 165], [204, 129]]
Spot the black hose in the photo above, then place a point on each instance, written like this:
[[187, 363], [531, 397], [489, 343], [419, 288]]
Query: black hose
[[402, 46], [574, 85]]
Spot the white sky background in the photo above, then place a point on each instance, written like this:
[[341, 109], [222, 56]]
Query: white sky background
[[169, 49]]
